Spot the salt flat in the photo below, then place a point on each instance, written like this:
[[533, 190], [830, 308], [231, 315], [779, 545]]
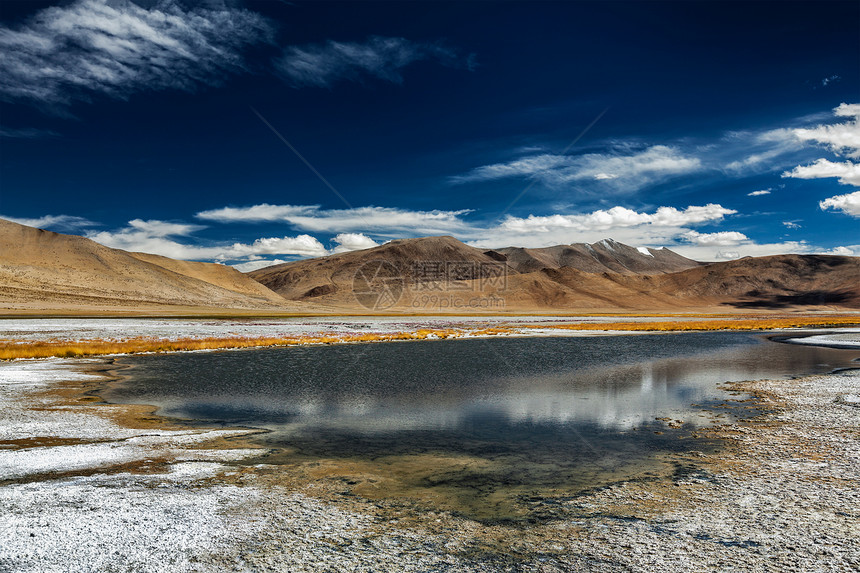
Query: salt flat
[[94, 492]]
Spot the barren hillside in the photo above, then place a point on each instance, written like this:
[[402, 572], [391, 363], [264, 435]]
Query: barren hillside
[[42, 269]]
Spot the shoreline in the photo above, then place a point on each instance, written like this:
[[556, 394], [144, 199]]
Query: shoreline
[[782, 480], [168, 335]]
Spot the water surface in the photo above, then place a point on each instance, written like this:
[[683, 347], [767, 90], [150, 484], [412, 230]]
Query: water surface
[[474, 425]]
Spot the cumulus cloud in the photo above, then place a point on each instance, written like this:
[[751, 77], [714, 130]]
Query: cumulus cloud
[[841, 138], [617, 217], [313, 218], [353, 242], [322, 65], [848, 203], [59, 222], [302, 245], [846, 172], [840, 251], [69, 52], [719, 239], [619, 171]]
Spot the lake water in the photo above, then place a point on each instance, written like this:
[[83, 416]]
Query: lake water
[[478, 426]]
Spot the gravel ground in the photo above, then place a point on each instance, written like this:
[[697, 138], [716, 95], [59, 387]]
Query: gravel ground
[[783, 495]]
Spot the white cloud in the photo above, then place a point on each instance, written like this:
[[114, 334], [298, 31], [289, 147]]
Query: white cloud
[[157, 228], [117, 48], [792, 225], [615, 218], [847, 172], [257, 213], [353, 242], [746, 249], [379, 57], [62, 222], [841, 138], [302, 245], [728, 255], [719, 239], [618, 171], [155, 237], [759, 193], [381, 220], [848, 203], [258, 264], [841, 251]]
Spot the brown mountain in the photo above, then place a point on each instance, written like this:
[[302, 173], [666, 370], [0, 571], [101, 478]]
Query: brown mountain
[[44, 270], [41, 270], [332, 277], [605, 255], [765, 282], [441, 273]]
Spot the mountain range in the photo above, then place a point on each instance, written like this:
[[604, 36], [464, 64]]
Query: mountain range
[[42, 271], [602, 276]]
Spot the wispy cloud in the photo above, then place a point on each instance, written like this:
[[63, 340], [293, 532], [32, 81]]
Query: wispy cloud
[[759, 193], [26, 132], [70, 52], [57, 222], [313, 218], [322, 65], [762, 150], [175, 240], [257, 264], [621, 170]]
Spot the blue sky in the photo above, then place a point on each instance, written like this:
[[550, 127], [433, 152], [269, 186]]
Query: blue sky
[[258, 132]]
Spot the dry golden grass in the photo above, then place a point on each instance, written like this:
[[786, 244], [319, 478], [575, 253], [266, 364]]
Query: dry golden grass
[[64, 349], [737, 324]]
